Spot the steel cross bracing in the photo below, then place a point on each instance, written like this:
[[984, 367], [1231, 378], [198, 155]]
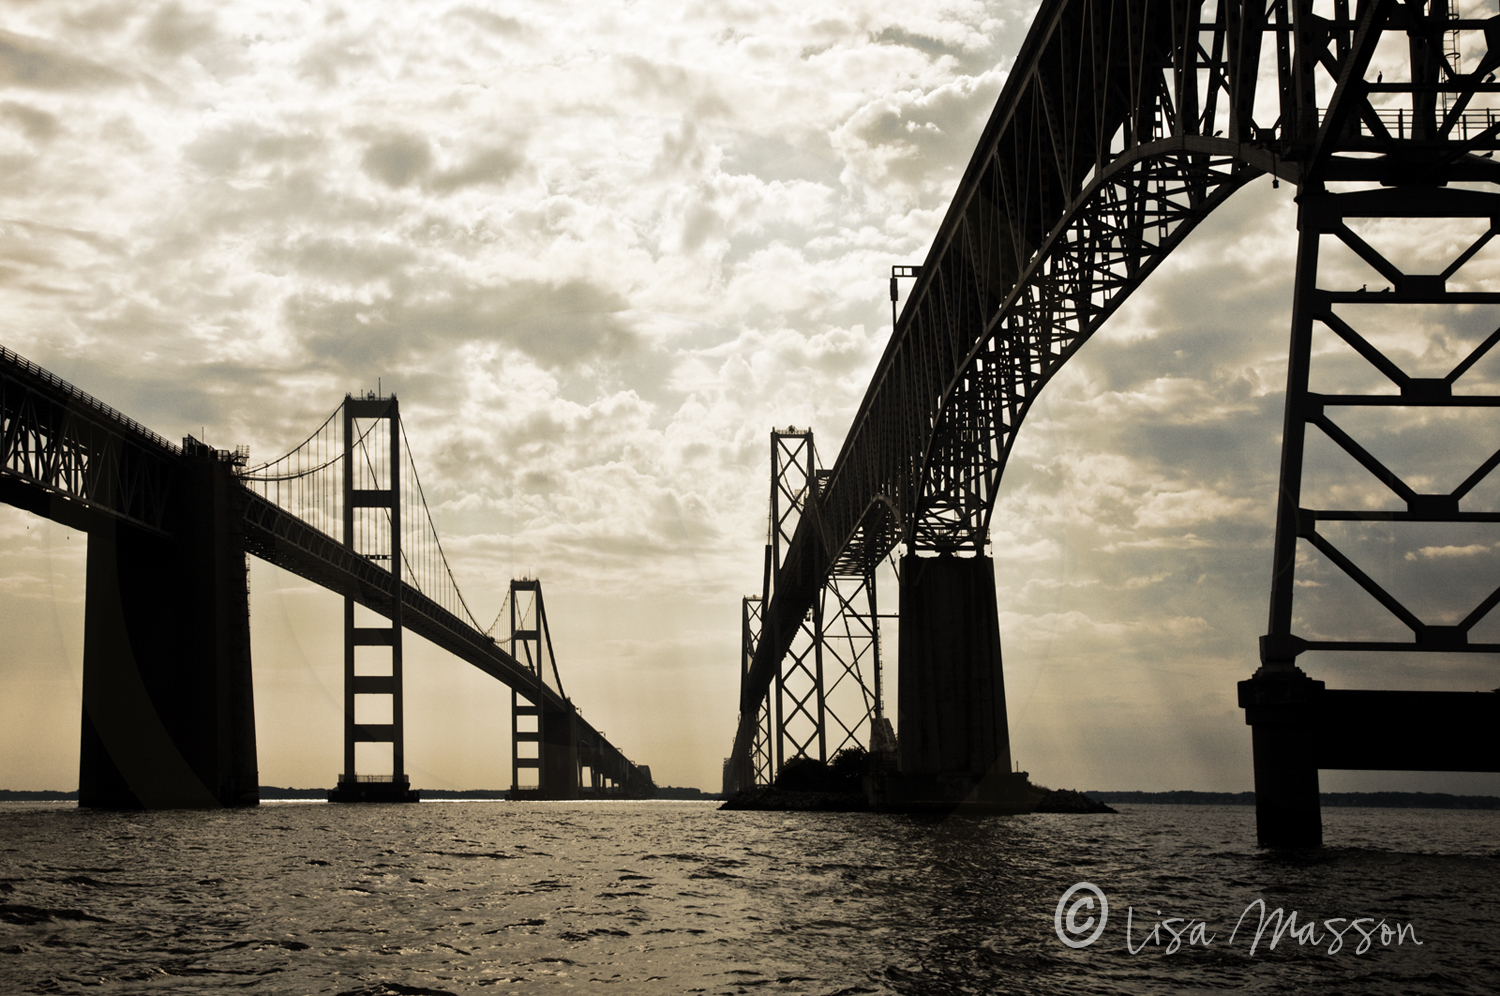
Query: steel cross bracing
[[820, 703], [70, 457], [799, 713], [762, 765], [1122, 124], [1368, 162]]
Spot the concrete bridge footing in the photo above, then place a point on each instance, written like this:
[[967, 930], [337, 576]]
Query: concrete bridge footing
[[1299, 727]]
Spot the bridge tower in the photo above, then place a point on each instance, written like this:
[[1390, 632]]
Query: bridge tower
[[1392, 153], [543, 739], [800, 713], [372, 529], [820, 701]]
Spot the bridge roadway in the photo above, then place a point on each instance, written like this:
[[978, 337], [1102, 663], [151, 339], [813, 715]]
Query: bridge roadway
[[71, 458], [278, 537]]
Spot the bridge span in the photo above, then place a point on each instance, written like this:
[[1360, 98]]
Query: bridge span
[[168, 711], [1122, 124]]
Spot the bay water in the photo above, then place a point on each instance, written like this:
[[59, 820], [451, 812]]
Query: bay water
[[678, 897]]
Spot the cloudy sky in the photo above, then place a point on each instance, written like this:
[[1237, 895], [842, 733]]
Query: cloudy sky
[[598, 250]]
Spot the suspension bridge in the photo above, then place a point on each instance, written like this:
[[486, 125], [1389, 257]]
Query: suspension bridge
[[168, 713], [1121, 125]]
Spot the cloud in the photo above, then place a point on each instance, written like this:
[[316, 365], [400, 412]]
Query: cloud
[[562, 325], [38, 64], [174, 31], [1447, 552], [897, 138], [507, 27], [38, 125], [490, 166], [398, 160]]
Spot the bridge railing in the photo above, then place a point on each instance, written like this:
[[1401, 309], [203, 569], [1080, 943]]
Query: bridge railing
[[85, 399]]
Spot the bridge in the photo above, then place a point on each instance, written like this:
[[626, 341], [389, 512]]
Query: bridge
[[1122, 125], [168, 705]]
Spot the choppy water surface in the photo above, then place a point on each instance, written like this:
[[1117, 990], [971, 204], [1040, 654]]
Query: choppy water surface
[[666, 897]]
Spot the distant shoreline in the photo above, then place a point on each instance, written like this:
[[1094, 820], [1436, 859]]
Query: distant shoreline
[[270, 793], [1374, 800]]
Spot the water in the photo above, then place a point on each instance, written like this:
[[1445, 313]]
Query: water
[[676, 897]]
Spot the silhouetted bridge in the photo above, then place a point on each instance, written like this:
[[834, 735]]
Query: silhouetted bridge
[[168, 716], [1122, 124]]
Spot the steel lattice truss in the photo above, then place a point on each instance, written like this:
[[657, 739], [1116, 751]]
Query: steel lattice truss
[[820, 702], [1123, 123], [75, 455], [762, 765]]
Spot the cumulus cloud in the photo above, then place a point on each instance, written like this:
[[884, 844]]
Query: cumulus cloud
[[38, 64], [398, 160], [897, 138]]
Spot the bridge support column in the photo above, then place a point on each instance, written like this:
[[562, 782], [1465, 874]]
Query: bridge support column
[[954, 737], [560, 772], [168, 704], [1299, 727], [1283, 714]]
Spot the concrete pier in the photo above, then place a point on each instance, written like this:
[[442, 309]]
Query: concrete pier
[[560, 772], [954, 744], [1299, 727], [168, 704]]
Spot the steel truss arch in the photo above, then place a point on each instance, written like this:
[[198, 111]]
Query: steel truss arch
[[1122, 125]]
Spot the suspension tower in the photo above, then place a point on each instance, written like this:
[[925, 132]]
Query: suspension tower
[[372, 529], [542, 739]]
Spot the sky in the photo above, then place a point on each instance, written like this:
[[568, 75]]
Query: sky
[[599, 250]]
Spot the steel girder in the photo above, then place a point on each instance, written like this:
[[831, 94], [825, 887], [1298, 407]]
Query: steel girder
[[1369, 162], [68, 456]]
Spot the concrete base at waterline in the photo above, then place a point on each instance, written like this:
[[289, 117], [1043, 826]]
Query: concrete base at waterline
[[903, 792], [353, 790], [954, 747], [1298, 726]]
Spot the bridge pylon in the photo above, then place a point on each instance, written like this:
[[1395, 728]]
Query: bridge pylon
[[372, 529], [825, 693], [543, 738], [1410, 148], [1299, 725]]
